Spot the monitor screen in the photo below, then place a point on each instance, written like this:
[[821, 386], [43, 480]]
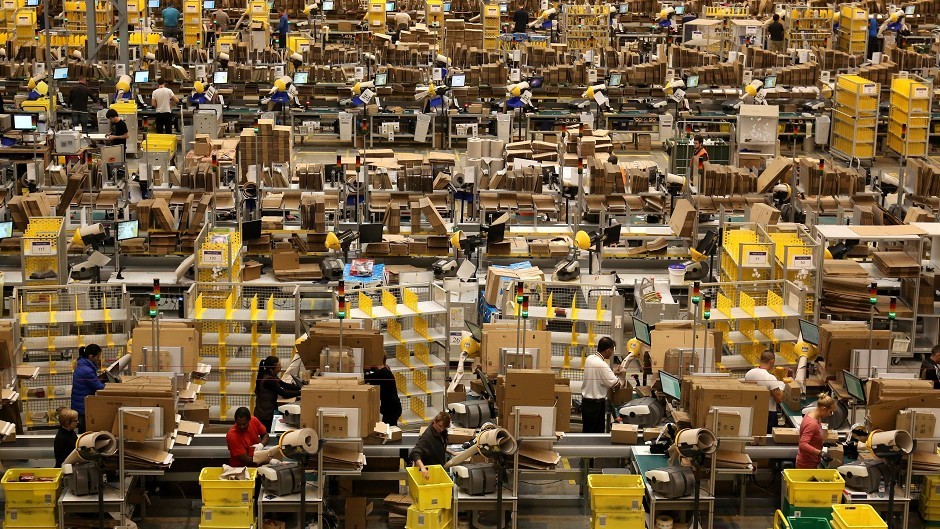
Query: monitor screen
[[475, 331], [208, 4], [536, 82], [220, 78], [32, 3], [153, 4], [389, 7], [672, 387], [142, 76], [770, 81], [909, 10], [691, 81], [251, 230], [642, 331], [615, 79], [810, 332], [680, 10], [503, 8], [300, 77], [624, 9], [327, 5], [371, 232], [381, 79], [23, 122], [60, 73], [447, 7], [854, 386], [458, 81], [6, 229], [496, 233], [612, 234], [128, 229]]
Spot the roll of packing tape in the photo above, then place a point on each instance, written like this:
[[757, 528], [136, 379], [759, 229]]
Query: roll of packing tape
[[663, 522]]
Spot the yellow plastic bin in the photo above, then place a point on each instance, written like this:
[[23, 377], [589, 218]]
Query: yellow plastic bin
[[227, 517], [616, 492], [434, 493], [813, 487], [30, 517], [856, 516], [429, 519], [31, 494], [619, 520], [224, 492]]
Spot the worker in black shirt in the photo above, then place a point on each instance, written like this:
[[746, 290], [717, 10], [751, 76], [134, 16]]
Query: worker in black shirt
[[65, 436], [119, 132], [930, 366], [389, 403], [521, 19], [431, 448], [776, 32], [79, 97]]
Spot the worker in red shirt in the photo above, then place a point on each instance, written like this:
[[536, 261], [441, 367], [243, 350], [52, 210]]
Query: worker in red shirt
[[244, 438]]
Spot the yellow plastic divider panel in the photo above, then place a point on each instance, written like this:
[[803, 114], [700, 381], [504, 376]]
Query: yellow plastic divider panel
[[274, 335], [724, 328], [746, 303], [423, 353], [78, 313], [394, 329], [410, 299], [417, 406], [788, 351], [599, 310], [230, 306], [52, 319], [104, 309], [747, 328], [402, 354], [255, 337], [50, 339], [567, 362], [365, 304], [23, 319], [253, 308], [420, 379], [549, 310], [767, 328], [574, 308], [421, 327], [775, 302], [199, 309], [400, 382], [272, 312], [591, 336], [389, 302], [724, 305]]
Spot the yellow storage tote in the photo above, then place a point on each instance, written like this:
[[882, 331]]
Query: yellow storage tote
[[224, 492], [856, 516], [813, 487], [227, 516], [434, 493], [429, 519], [32, 493], [931, 488], [619, 520], [30, 517], [616, 492]]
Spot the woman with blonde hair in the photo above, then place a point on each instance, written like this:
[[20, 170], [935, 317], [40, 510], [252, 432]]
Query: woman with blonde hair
[[811, 433], [65, 437]]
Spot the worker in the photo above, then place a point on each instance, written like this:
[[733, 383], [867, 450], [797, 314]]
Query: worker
[[520, 18], [221, 20], [171, 22], [65, 436], [599, 378], [244, 437], [389, 403], [431, 448], [79, 97], [930, 367], [699, 154], [811, 449], [891, 30], [40, 17], [763, 376], [283, 26], [777, 35], [874, 43], [85, 379], [268, 388], [401, 19], [161, 100], [119, 132]]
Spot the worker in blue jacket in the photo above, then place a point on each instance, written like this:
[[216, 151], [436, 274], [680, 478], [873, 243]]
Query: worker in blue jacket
[[85, 379]]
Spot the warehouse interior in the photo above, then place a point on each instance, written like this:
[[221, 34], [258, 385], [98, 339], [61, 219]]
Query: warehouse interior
[[464, 264]]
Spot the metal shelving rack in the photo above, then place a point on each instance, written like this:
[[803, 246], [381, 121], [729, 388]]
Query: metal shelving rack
[[855, 118], [51, 323], [586, 27], [239, 325], [220, 255], [192, 23], [490, 16], [45, 249], [810, 26], [909, 118], [852, 35]]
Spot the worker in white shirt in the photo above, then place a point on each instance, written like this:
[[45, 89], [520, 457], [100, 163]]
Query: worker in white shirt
[[162, 99], [599, 378], [763, 376]]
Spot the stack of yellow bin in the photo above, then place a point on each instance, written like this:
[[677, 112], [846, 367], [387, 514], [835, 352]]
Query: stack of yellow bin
[[32, 503], [431, 499], [856, 516], [226, 503], [930, 501], [616, 501]]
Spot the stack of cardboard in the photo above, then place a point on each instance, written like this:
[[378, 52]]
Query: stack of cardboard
[[837, 340], [703, 395], [896, 264], [533, 387], [720, 179], [340, 393], [833, 180]]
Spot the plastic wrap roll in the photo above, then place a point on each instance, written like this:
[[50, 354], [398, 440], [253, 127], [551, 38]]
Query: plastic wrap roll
[[663, 522], [498, 164], [295, 442], [476, 163], [487, 148], [474, 148], [91, 445], [496, 148]]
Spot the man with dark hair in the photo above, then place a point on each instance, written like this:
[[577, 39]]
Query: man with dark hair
[[431, 448], [119, 132], [599, 378], [520, 19], [282, 29], [246, 436], [162, 100], [79, 96], [776, 32], [930, 366], [762, 376]]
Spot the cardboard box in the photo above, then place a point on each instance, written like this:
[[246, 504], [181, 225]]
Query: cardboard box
[[499, 335], [729, 423], [101, 410], [924, 424], [837, 340], [786, 436], [357, 510], [530, 425], [172, 335], [196, 411], [562, 407], [335, 426], [337, 393], [137, 425], [624, 434], [460, 435]]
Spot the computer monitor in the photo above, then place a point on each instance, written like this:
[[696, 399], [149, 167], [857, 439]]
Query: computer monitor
[[327, 5], [128, 229], [615, 80], [854, 386], [691, 81], [208, 4], [612, 234], [496, 233], [301, 77], [60, 74], [475, 331], [770, 81], [251, 230], [153, 4], [810, 332], [536, 82], [142, 76], [680, 10], [381, 79], [24, 122], [32, 3], [624, 9], [672, 387], [220, 78], [458, 81], [503, 8], [6, 229], [371, 232], [447, 7], [389, 7], [642, 331], [909, 10]]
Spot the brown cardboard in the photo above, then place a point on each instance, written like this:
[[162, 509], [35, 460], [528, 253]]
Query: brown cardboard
[[357, 510], [650, 434], [624, 434], [322, 336], [137, 425], [836, 342], [924, 424], [882, 389], [172, 334], [196, 411], [728, 425], [335, 426], [100, 410], [562, 408], [682, 221], [672, 335], [786, 436], [764, 214], [460, 435], [500, 335], [530, 425], [535, 384], [365, 398]]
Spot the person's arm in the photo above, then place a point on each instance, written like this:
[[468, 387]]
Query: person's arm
[[884, 25], [610, 379], [124, 136], [153, 102], [285, 390], [777, 395], [265, 438]]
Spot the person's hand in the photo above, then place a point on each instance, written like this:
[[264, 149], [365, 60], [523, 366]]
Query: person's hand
[[425, 474], [107, 136], [824, 452], [258, 446], [618, 369]]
